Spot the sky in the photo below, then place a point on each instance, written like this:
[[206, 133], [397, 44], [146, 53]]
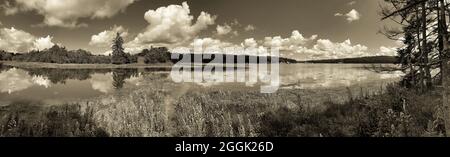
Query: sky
[[302, 29]]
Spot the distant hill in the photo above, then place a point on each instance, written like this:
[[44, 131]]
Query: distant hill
[[359, 60]]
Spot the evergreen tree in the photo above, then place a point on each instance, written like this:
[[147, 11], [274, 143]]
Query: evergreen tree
[[118, 54]]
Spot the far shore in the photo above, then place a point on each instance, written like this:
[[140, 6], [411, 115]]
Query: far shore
[[82, 66], [99, 66], [115, 66]]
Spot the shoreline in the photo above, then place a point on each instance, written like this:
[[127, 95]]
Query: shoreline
[[103, 66], [81, 66]]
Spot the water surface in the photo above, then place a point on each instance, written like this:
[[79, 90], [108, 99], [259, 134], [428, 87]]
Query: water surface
[[57, 86]]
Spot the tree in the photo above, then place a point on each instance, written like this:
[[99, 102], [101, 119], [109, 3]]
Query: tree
[[118, 54], [422, 54], [428, 51], [155, 55]]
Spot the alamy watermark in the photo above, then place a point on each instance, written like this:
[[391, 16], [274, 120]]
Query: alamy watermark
[[232, 64]]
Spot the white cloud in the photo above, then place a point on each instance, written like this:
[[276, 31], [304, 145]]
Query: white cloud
[[352, 3], [15, 40], [295, 40], [351, 16], [296, 46], [43, 43], [229, 28], [15, 80], [250, 28], [41, 81], [104, 39], [210, 43], [223, 30], [327, 49], [387, 51], [65, 13], [250, 43], [102, 82], [172, 25]]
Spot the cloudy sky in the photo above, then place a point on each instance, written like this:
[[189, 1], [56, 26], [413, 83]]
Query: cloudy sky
[[303, 29]]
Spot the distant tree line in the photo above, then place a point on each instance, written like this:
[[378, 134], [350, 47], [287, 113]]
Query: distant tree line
[[55, 54], [361, 60], [229, 58], [60, 55]]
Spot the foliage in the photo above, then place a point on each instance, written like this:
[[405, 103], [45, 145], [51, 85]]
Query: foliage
[[424, 33], [56, 54], [155, 55], [118, 54]]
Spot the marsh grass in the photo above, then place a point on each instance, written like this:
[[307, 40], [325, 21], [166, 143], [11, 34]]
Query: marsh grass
[[398, 112], [26, 120]]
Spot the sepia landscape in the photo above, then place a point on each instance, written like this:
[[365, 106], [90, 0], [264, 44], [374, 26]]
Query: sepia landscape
[[106, 68]]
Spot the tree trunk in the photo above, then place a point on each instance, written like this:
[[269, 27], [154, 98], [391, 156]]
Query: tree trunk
[[445, 67], [425, 51], [446, 91]]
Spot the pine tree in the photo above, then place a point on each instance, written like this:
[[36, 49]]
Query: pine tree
[[118, 54]]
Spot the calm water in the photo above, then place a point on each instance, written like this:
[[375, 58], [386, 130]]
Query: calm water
[[56, 86]]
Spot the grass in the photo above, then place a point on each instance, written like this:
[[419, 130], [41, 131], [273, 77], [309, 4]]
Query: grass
[[397, 113], [28, 120]]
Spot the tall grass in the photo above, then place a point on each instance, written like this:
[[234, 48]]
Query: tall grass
[[398, 112], [27, 120]]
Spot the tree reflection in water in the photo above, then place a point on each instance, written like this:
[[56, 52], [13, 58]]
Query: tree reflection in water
[[60, 76], [120, 75]]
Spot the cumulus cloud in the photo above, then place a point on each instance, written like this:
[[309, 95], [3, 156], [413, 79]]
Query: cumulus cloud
[[250, 43], [229, 28], [352, 3], [387, 51], [65, 13], [295, 40], [15, 80], [223, 30], [327, 49], [172, 25], [15, 40], [103, 39], [249, 28], [102, 82], [296, 46], [210, 43], [43, 43], [351, 16]]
